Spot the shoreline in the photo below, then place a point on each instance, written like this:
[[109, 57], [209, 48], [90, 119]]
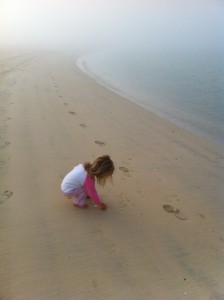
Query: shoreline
[[196, 126], [162, 235]]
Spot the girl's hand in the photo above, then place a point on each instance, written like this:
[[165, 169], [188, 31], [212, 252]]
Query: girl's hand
[[103, 206]]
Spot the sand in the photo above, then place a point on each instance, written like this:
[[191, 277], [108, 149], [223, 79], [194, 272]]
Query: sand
[[162, 235]]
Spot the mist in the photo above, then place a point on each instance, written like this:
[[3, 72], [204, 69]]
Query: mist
[[111, 24]]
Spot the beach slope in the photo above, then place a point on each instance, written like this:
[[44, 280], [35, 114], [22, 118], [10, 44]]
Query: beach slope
[[162, 235]]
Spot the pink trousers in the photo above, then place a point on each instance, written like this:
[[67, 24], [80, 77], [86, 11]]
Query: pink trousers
[[78, 195]]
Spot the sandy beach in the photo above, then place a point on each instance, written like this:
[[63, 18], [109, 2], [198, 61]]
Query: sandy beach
[[162, 236]]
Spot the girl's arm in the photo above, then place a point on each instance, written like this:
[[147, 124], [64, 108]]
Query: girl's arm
[[89, 186]]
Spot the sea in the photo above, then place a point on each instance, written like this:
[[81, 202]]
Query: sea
[[181, 77], [185, 88]]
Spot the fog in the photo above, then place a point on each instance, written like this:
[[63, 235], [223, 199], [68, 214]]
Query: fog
[[101, 24]]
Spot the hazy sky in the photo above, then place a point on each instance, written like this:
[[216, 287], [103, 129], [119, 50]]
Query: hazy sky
[[109, 23]]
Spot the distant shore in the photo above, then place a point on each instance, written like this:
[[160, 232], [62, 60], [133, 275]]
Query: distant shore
[[162, 235]]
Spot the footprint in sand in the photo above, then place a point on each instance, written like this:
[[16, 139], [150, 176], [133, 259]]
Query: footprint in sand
[[124, 169], [72, 113], [83, 125], [175, 211], [65, 103], [99, 143], [5, 144], [5, 195]]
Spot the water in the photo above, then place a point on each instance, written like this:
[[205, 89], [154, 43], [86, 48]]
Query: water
[[167, 56], [183, 87]]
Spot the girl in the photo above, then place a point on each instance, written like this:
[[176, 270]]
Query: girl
[[80, 182]]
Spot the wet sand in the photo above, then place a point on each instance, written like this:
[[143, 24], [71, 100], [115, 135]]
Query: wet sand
[[162, 236]]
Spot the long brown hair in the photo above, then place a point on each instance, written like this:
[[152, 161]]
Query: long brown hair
[[102, 168]]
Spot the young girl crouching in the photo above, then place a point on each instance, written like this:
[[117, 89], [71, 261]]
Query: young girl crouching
[[80, 182]]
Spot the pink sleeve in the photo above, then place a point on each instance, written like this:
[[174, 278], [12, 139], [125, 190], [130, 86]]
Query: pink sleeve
[[89, 186]]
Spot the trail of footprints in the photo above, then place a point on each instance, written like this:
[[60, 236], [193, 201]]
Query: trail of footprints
[[6, 194], [56, 86], [71, 112]]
